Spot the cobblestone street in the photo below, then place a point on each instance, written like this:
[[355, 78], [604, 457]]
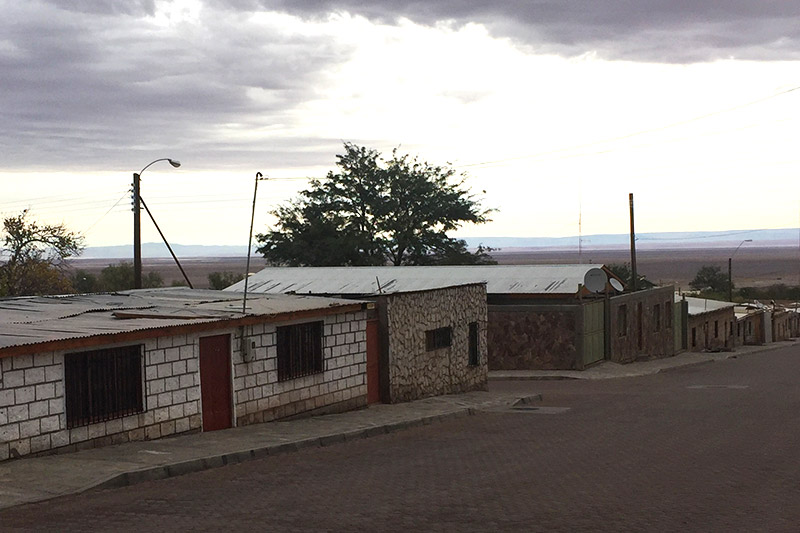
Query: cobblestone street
[[710, 447]]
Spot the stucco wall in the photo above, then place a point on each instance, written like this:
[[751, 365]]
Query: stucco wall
[[642, 335], [33, 415], [711, 330], [414, 372], [782, 325], [533, 337]]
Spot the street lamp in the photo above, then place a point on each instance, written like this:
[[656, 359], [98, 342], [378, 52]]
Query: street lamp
[[730, 276], [137, 222]]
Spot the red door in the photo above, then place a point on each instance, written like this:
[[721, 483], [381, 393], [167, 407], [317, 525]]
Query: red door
[[373, 367], [215, 381]]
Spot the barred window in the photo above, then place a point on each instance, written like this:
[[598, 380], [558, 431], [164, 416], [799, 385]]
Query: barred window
[[438, 338], [299, 350], [103, 384]]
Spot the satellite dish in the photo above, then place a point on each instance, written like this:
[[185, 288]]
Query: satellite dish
[[616, 284], [595, 280]]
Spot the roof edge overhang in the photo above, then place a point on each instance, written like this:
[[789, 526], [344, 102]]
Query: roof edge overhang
[[91, 341]]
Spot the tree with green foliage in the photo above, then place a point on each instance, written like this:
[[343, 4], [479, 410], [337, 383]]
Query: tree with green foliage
[[624, 272], [34, 257], [374, 212], [221, 280], [113, 278], [710, 278]]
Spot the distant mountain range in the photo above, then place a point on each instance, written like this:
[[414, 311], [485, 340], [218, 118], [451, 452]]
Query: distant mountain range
[[692, 239], [688, 239]]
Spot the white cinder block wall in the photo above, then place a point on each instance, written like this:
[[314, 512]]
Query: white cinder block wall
[[341, 386], [32, 408]]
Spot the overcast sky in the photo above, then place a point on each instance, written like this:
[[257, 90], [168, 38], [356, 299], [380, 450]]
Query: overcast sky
[[557, 110]]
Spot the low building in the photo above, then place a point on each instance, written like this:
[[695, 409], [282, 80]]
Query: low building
[[90, 370], [711, 324], [432, 342], [426, 337], [539, 316], [645, 323], [750, 325]]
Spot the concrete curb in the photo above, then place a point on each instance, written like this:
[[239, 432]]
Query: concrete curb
[[155, 473]]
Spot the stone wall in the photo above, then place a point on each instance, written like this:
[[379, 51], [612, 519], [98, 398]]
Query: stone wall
[[410, 371], [534, 337], [32, 409], [641, 324], [259, 395]]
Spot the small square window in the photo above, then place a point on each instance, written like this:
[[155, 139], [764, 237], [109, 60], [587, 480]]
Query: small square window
[[438, 338]]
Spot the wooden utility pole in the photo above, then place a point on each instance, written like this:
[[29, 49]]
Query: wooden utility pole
[[137, 235], [633, 247]]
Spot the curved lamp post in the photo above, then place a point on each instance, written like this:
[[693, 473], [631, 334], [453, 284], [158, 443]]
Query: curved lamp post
[[730, 275], [137, 222]]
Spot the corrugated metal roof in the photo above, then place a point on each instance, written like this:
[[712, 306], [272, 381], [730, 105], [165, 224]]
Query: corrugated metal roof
[[698, 306], [499, 279], [33, 320]]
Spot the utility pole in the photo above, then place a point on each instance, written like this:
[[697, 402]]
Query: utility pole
[[137, 222], [633, 247], [730, 278], [137, 235]]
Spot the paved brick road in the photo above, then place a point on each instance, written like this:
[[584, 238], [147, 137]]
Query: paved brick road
[[707, 448]]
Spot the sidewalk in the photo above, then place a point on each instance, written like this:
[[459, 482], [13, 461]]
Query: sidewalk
[[40, 478], [35, 479], [609, 370]]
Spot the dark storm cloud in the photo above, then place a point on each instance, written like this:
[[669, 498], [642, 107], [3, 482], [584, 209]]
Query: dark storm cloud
[[99, 83], [107, 7], [639, 30], [82, 87]]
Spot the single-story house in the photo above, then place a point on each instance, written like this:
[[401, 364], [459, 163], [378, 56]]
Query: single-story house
[[750, 324], [430, 342], [539, 316], [88, 370], [711, 324], [427, 337], [646, 323]]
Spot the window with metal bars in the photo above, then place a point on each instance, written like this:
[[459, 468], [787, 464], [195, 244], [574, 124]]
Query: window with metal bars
[[474, 358], [103, 384], [438, 338], [299, 350]]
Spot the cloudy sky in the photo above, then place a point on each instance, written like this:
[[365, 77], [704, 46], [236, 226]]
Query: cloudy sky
[[557, 110]]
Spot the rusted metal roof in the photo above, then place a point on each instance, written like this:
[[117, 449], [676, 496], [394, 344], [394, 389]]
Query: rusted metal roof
[[45, 319], [355, 281]]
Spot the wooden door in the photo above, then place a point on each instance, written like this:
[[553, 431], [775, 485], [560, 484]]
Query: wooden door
[[593, 333], [215, 382], [373, 365]]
